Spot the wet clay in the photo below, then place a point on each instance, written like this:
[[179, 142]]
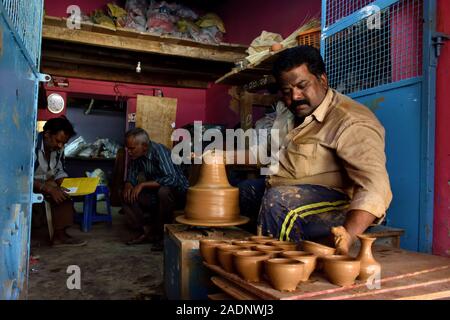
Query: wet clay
[[369, 266], [225, 256], [317, 249], [250, 264], [284, 274], [341, 270], [271, 250], [208, 250], [309, 259], [286, 245], [212, 200]]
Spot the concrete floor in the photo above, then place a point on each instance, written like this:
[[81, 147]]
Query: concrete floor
[[110, 270]]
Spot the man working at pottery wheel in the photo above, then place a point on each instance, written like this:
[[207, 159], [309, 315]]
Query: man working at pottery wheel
[[331, 183]]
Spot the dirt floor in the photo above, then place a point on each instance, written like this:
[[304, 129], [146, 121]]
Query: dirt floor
[[110, 270]]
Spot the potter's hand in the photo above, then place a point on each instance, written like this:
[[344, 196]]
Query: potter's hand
[[342, 240], [57, 194], [135, 192]]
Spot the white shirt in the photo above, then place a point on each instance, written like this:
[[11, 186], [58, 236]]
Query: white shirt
[[53, 170]]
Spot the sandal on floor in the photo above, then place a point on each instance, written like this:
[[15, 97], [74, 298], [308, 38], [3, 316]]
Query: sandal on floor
[[142, 239], [69, 242]]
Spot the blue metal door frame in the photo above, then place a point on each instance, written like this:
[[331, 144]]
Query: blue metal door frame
[[413, 178], [20, 37]]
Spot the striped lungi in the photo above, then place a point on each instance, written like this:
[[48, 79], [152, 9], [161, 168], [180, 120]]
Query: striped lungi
[[301, 212]]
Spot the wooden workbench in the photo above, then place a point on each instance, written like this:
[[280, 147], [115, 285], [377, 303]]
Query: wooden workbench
[[405, 276]]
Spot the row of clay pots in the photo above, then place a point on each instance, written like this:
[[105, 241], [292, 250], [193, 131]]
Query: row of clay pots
[[248, 257]]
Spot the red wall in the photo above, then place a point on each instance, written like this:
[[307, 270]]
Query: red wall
[[58, 8], [441, 233], [191, 102], [245, 20]]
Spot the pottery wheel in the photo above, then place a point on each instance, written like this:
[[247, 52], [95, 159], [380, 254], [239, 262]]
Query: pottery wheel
[[205, 223]]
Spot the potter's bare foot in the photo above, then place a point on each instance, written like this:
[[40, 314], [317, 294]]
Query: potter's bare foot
[[342, 240]]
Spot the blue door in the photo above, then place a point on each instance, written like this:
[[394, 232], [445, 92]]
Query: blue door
[[380, 53], [20, 40]]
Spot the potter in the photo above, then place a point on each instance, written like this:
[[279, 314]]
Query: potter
[[332, 182]]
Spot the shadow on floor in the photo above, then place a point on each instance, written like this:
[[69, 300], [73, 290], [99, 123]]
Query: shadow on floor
[[110, 270]]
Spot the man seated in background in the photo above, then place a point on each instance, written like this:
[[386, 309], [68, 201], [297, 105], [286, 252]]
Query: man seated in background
[[48, 176], [154, 188]]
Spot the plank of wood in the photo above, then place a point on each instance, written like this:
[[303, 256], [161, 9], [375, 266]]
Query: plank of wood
[[230, 289], [156, 116], [105, 74], [429, 296], [99, 36], [399, 269]]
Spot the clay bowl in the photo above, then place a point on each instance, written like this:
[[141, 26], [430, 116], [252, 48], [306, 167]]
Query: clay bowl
[[284, 274], [250, 264], [225, 256], [208, 250], [317, 249], [341, 270], [271, 250], [309, 259], [246, 244], [286, 245], [261, 239]]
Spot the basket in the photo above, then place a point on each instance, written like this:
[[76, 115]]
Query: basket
[[309, 38]]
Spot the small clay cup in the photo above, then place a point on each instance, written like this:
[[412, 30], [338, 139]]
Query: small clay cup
[[341, 270], [225, 256], [261, 239], [284, 274], [246, 244], [286, 245], [317, 249], [250, 264], [271, 250], [309, 259], [208, 250]]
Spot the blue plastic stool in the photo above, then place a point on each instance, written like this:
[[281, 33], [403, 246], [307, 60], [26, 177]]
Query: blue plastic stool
[[90, 214]]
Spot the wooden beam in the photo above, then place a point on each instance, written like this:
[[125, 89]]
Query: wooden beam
[[133, 41], [103, 74]]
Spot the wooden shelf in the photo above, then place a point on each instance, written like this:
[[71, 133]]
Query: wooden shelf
[[101, 53]]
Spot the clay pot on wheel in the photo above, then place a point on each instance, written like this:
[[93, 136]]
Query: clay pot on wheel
[[286, 245], [341, 270], [208, 250], [284, 274], [225, 256], [307, 258], [369, 266], [250, 264]]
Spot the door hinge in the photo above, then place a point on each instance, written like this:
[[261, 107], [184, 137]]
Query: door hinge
[[439, 41]]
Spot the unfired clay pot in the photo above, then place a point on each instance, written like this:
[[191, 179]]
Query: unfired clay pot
[[208, 250], [307, 258], [250, 264], [244, 244], [286, 245], [341, 270], [225, 256], [317, 249], [284, 274], [369, 266], [261, 239], [271, 250], [212, 201]]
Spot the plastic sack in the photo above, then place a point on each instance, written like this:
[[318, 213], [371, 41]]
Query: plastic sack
[[99, 17], [118, 14], [264, 42], [136, 18], [72, 149], [160, 23], [211, 20]]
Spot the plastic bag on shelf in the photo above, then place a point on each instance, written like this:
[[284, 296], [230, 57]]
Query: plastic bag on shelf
[[99, 17], [211, 20], [73, 148], [160, 23], [118, 14], [136, 18]]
